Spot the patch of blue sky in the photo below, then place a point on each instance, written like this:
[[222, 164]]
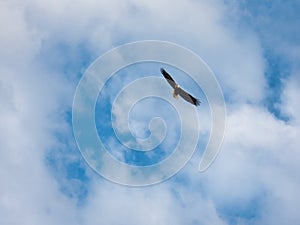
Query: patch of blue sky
[[70, 171], [141, 114], [65, 161], [65, 58], [278, 69], [276, 24], [66, 165], [246, 211]]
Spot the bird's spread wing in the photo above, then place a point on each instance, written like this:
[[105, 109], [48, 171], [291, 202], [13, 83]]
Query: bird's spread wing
[[186, 96], [168, 78]]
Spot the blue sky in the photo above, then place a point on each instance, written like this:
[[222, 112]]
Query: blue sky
[[253, 47]]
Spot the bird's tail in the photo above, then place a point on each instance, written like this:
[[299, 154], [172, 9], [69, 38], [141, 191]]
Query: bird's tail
[[175, 95]]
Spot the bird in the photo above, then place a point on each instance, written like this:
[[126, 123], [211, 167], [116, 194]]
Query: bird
[[177, 90]]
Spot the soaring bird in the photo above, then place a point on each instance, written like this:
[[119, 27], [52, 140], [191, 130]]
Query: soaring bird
[[178, 91]]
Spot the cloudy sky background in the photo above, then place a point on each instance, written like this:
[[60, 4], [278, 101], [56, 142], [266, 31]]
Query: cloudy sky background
[[253, 47]]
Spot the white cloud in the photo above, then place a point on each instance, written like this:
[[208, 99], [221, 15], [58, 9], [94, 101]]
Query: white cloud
[[258, 162], [259, 158], [235, 57], [151, 205], [28, 193], [19, 42]]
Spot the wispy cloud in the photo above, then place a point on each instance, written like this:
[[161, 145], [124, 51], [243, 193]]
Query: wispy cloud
[[45, 48]]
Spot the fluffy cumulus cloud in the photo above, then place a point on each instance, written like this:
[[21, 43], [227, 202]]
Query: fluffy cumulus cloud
[[253, 48]]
